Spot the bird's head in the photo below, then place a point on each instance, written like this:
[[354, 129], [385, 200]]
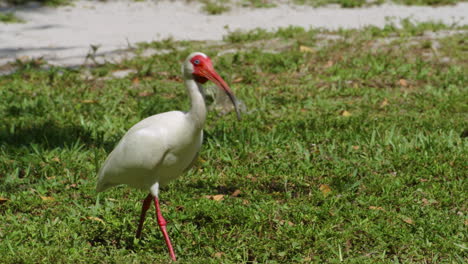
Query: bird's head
[[198, 66]]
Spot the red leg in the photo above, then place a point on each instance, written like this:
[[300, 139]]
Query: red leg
[[144, 208], [162, 225]]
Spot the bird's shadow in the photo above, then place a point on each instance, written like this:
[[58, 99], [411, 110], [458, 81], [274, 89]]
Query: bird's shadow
[[111, 239]]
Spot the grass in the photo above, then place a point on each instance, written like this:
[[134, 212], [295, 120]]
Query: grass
[[10, 17], [215, 7], [354, 149]]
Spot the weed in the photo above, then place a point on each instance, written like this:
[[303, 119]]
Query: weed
[[10, 17], [215, 7]]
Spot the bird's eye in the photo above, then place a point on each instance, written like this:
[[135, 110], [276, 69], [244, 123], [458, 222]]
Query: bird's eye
[[196, 62]]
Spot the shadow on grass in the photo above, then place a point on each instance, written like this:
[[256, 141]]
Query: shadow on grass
[[49, 135], [34, 4], [114, 240]]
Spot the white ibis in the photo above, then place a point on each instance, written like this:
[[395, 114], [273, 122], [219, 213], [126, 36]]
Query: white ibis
[[159, 148]]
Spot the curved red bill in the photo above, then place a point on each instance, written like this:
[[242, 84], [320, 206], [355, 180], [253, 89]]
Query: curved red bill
[[209, 73]]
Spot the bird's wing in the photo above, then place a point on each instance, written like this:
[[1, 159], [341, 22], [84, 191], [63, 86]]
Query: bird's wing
[[195, 158], [139, 151]]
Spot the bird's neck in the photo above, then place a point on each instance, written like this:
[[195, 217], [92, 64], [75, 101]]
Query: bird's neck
[[197, 113]]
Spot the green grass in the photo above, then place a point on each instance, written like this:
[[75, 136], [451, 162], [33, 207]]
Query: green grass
[[215, 7], [258, 3], [10, 17], [353, 149]]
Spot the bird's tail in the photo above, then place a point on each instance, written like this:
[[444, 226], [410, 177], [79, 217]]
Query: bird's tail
[[102, 186]]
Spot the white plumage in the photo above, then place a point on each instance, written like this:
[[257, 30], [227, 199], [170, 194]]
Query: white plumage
[[157, 149]]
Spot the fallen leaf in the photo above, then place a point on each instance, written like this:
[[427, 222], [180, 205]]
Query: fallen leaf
[[56, 159], [425, 201], [408, 220], [306, 49], [47, 198], [144, 94], [403, 82], [251, 177], [236, 193], [51, 178], [136, 81], [218, 197], [348, 245], [325, 189], [329, 64], [384, 103], [88, 101], [376, 208], [169, 96], [345, 113], [244, 202], [466, 221], [218, 254], [73, 185], [238, 80], [23, 58], [423, 180], [97, 219], [355, 147], [3, 200], [175, 78], [429, 202]]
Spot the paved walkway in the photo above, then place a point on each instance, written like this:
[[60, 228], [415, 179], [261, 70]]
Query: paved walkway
[[63, 35]]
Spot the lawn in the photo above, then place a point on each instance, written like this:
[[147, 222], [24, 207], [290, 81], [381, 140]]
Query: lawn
[[353, 148]]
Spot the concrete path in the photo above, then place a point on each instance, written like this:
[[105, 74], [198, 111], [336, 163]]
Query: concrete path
[[63, 35]]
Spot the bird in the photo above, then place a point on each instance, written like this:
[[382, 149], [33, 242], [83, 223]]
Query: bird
[[161, 147]]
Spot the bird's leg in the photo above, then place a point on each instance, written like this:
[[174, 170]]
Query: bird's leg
[[144, 208], [162, 224]]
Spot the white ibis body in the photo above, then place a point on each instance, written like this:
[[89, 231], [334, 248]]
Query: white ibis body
[[159, 148]]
